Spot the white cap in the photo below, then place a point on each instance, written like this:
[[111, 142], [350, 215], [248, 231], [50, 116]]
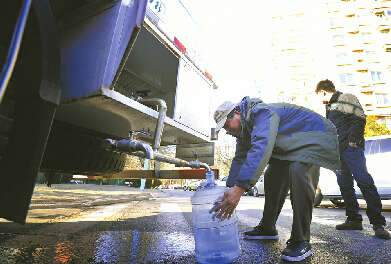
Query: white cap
[[221, 113]]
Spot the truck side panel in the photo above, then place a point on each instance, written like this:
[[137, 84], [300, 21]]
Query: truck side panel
[[92, 49]]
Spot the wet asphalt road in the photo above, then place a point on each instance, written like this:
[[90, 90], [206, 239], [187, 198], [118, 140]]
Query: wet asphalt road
[[158, 230]]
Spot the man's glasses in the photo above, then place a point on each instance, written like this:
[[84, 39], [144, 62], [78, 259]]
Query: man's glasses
[[231, 114]]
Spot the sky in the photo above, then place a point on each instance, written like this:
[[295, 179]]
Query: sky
[[235, 41]]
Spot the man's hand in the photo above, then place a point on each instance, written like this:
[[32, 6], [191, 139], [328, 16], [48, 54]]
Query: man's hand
[[230, 200], [353, 145]]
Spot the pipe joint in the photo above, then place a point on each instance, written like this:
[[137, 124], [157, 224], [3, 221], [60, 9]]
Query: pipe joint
[[154, 101], [129, 146], [197, 164]]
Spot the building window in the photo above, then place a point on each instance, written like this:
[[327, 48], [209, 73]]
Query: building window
[[346, 77], [376, 76], [383, 99], [332, 22], [341, 58], [379, 13], [388, 123], [366, 36], [338, 38], [341, 55]]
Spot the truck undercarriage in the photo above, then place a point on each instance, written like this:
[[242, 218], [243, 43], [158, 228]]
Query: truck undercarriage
[[93, 81]]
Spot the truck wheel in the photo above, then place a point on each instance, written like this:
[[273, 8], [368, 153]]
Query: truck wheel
[[318, 197], [76, 150]]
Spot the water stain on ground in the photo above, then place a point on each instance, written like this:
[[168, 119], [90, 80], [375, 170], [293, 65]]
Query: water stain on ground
[[105, 247]]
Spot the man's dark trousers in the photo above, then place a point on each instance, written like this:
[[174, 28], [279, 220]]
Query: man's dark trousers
[[353, 166], [302, 180]]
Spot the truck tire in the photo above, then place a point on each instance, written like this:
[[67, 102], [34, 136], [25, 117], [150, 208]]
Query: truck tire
[[72, 149]]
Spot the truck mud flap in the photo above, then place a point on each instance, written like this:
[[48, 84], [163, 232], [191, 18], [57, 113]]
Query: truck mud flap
[[28, 109], [19, 167]]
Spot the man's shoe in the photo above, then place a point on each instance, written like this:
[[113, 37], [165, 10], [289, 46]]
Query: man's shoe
[[380, 232], [350, 225], [296, 251], [259, 233]]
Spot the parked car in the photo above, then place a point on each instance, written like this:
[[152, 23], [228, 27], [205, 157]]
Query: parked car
[[76, 181], [378, 155], [191, 186], [258, 188], [129, 183], [162, 186], [175, 186], [222, 181]]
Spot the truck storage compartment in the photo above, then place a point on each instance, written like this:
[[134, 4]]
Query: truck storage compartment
[[150, 66], [104, 66]]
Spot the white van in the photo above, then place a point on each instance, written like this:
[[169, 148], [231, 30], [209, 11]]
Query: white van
[[378, 155]]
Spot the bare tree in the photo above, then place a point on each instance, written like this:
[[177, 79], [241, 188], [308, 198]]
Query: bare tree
[[224, 154]]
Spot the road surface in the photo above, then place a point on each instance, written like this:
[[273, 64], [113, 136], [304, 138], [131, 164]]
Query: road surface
[[155, 227]]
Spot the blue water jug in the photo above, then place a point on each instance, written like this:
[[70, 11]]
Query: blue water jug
[[216, 241]]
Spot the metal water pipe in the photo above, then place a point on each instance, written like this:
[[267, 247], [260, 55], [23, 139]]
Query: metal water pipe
[[143, 150], [160, 121]]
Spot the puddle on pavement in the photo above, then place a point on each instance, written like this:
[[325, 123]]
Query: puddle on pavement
[[62, 252], [142, 247], [109, 247], [130, 246]]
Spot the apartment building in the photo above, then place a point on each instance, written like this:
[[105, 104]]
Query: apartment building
[[297, 60], [361, 42], [347, 41]]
